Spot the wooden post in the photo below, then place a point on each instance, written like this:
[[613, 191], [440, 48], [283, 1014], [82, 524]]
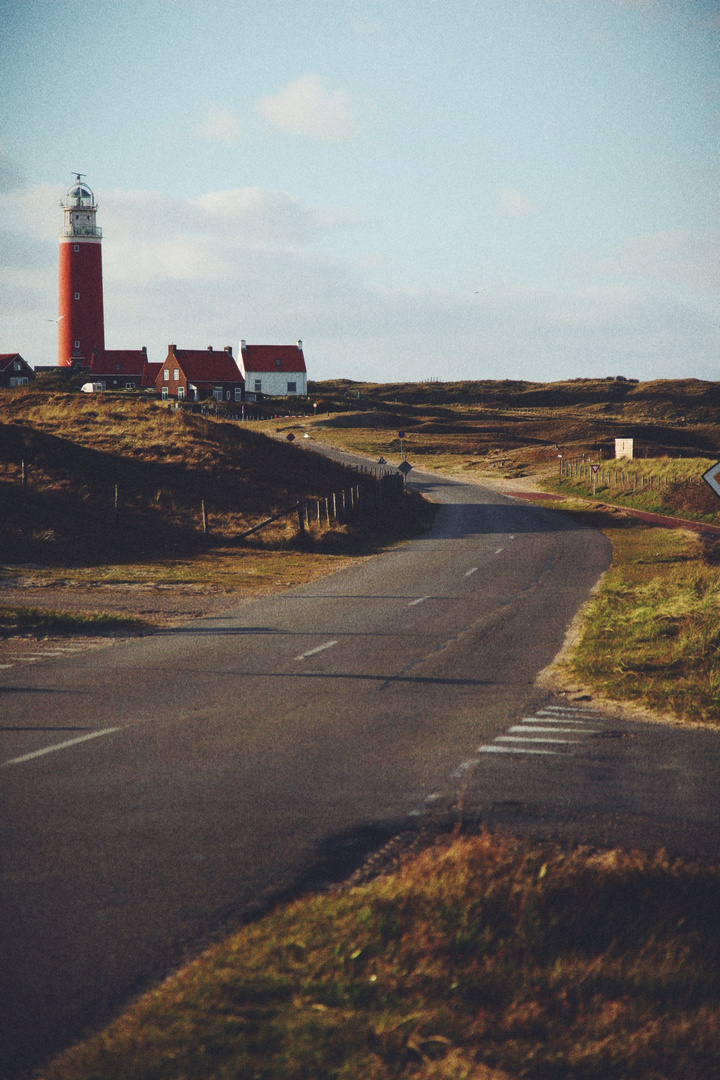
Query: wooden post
[[204, 517], [301, 518], [334, 505], [116, 502], [23, 475]]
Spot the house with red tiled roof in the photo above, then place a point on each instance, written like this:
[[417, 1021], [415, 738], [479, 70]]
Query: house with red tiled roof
[[14, 371], [121, 369], [273, 370], [194, 374]]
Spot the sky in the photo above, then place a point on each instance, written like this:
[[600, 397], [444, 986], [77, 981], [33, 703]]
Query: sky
[[445, 189]]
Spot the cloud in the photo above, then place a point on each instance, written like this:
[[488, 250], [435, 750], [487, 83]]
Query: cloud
[[307, 108], [511, 203], [11, 175], [248, 262], [218, 124]]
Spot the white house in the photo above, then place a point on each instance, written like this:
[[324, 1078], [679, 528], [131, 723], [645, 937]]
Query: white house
[[273, 370]]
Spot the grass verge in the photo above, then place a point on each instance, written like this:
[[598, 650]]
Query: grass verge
[[650, 634], [39, 622], [481, 958]]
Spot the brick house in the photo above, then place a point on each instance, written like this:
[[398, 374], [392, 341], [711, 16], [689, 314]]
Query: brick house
[[196, 374], [273, 370], [123, 369], [14, 371]]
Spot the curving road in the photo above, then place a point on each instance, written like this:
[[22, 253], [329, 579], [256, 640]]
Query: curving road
[[157, 791]]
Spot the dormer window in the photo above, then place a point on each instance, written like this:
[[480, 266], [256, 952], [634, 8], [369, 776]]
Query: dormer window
[[278, 363]]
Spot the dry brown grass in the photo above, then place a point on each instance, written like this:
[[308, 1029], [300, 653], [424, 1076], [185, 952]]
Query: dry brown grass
[[480, 958]]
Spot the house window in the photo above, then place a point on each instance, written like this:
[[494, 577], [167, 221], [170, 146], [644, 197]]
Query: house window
[[181, 392], [164, 393], [238, 393], [278, 363], [176, 374], [258, 386], [292, 388], [118, 367], [17, 365], [129, 385], [18, 381], [217, 393], [77, 295], [166, 375]]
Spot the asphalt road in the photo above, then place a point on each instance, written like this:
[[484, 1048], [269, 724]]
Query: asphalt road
[[156, 792]]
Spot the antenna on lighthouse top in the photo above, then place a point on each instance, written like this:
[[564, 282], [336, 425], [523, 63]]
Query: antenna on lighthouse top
[[79, 175]]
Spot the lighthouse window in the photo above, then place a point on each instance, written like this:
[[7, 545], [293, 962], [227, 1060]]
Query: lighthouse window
[[77, 344], [76, 247], [77, 295]]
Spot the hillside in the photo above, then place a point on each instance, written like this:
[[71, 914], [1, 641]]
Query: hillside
[[164, 463], [532, 421]]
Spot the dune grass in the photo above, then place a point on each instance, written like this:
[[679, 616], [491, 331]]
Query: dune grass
[[40, 622], [650, 633], [478, 959]]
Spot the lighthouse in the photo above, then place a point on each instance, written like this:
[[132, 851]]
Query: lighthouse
[[81, 324]]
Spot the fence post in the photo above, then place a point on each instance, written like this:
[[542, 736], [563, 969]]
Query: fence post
[[301, 517], [23, 475], [204, 517], [116, 505]]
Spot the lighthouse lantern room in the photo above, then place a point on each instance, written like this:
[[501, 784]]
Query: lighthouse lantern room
[[80, 324]]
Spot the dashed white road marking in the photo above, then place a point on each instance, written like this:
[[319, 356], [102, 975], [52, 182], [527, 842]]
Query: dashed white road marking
[[557, 719], [5, 665], [472, 570], [493, 748], [58, 746], [418, 601], [317, 649], [540, 728], [533, 739]]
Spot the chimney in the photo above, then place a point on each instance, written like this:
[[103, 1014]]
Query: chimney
[[209, 348], [243, 345], [228, 349], [144, 349], [299, 344]]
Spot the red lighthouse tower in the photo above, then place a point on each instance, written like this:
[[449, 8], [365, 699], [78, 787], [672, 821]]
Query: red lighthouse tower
[[81, 328]]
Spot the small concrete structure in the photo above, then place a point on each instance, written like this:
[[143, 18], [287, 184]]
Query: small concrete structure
[[624, 448]]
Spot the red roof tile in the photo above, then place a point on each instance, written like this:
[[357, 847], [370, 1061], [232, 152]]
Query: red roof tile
[[118, 362], [205, 365], [263, 357]]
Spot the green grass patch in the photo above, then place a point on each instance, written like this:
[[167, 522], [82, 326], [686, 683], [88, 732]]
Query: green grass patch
[[669, 486], [651, 632], [40, 622], [479, 959]]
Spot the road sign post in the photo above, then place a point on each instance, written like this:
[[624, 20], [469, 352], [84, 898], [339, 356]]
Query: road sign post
[[401, 436], [594, 472]]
